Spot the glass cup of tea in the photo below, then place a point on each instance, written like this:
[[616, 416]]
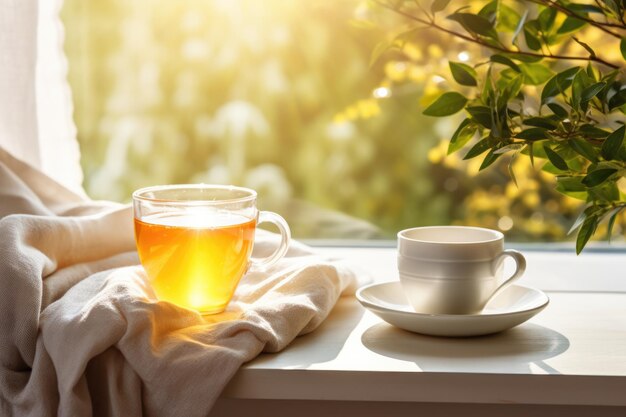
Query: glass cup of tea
[[195, 241]]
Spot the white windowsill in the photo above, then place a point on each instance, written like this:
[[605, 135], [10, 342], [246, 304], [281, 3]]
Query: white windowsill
[[571, 354]]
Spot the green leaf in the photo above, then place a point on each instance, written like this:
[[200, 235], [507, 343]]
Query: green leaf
[[535, 149], [501, 59], [591, 131], [592, 73], [574, 162], [555, 159], [591, 91], [618, 99], [439, 5], [531, 40], [478, 148], [462, 135], [579, 83], [586, 231], [535, 74], [613, 143], [546, 19], [589, 211], [487, 92], [531, 153], [584, 8], [558, 110], [622, 47], [609, 228], [559, 83], [572, 187], [610, 77], [598, 176], [614, 7], [532, 134], [570, 183], [446, 104], [463, 74], [541, 122], [566, 77], [584, 45], [606, 191], [513, 86], [507, 18], [475, 24], [551, 169], [504, 17], [491, 157], [490, 11], [482, 115], [570, 24], [606, 164], [582, 147]]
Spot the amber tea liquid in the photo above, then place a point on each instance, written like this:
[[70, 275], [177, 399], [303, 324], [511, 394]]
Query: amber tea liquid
[[195, 260]]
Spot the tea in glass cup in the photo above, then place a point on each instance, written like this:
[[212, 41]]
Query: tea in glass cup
[[195, 241]]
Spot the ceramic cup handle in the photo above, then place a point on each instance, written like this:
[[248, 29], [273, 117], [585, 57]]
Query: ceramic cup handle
[[285, 234], [520, 263]]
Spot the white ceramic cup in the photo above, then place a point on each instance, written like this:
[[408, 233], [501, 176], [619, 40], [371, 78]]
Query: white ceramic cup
[[453, 269]]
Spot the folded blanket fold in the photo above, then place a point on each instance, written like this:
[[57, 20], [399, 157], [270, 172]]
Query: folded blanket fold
[[81, 332]]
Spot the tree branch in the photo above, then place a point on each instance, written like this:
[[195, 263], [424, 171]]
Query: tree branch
[[600, 25], [434, 25]]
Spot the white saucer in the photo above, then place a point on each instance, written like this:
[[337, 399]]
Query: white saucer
[[513, 306]]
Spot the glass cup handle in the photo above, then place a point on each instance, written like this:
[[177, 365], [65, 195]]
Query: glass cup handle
[[285, 234], [520, 263]]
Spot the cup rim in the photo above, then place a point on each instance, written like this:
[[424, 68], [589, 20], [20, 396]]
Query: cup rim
[[402, 235], [138, 194]]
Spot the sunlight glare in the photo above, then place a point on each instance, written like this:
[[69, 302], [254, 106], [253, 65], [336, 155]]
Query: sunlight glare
[[438, 79], [463, 56], [381, 92], [505, 223]]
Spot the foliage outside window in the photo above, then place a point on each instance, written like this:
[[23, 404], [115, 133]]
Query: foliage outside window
[[543, 92], [282, 97]]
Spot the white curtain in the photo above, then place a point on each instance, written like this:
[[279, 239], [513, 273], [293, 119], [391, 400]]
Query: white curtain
[[36, 122]]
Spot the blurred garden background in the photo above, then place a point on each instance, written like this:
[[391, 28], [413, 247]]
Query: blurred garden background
[[284, 97]]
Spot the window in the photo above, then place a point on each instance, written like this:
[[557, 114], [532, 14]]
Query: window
[[281, 97]]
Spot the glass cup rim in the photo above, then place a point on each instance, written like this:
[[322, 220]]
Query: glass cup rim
[[138, 194]]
